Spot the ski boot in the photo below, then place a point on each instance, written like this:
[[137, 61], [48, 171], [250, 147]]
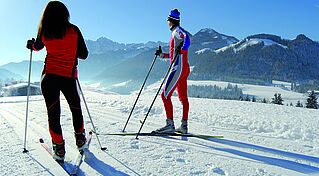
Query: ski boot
[[58, 151], [80, 140], [168, 128], [183, 128]]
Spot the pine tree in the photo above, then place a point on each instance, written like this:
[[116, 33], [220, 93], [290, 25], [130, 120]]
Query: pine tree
[[312, 101], [291, 104], [247, 98], [277, 100], [264, 100], [298, 104], [254, 99]]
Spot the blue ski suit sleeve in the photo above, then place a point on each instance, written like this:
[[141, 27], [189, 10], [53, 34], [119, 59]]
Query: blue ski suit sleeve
[[187, 40]]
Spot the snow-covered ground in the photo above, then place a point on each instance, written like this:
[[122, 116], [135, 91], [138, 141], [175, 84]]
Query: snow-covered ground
[[259, 139]]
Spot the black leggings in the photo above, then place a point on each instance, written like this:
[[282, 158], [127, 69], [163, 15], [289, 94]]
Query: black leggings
[[51, 85]]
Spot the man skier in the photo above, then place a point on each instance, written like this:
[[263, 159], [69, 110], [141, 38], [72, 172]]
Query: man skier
[[177, 79]]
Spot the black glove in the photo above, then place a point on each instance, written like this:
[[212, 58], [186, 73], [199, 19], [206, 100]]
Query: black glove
[[178, 48], [159, 51], [30, 43]]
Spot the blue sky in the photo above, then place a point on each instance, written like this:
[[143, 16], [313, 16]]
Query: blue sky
[[135, 21]]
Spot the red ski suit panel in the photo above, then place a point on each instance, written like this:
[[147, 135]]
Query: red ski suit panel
[[62, 54], [177, 79]]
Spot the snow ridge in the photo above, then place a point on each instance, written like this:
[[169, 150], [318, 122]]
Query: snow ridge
[[236, 47]]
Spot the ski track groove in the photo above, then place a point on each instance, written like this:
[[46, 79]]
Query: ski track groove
[[71, 150], [41, 132], [18, 128], [12, 140]]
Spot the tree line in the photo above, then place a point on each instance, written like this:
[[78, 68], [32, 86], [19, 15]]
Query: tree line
[[232, 92]]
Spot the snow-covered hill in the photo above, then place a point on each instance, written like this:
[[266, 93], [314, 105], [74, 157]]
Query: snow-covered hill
[[259, 139], [260, 57]]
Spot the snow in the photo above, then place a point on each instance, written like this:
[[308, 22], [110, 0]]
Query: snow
[[281, 83], [140, 47], [191, 68], [94, 85], [250, 42], [229, 42], [225, 48], [203, 50], [121, 84], [268, 42], [19, 85], [206, 43], [247, 43], [259, 139], [207, 30]]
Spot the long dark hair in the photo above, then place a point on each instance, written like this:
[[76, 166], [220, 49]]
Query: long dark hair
[[54, 21]]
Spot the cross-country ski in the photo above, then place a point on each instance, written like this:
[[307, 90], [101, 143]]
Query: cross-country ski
[[79, 158], [68, 167], [203, 136]]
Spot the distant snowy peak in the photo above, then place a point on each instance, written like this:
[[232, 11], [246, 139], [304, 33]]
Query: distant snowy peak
[[103, 44], [208, 39], [104, 40], [204, 38], [208, 34], [209, 31]]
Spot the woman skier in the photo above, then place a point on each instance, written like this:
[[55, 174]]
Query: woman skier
[[64, 44]]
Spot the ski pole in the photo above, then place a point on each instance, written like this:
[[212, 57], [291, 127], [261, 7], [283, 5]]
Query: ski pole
[[27, 108], [156, 95], [138, 96], [87, 109]]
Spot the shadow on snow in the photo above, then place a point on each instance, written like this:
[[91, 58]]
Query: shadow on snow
[[100, 166], [284, 163]]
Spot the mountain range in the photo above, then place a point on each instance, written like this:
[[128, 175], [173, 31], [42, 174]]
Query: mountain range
[[262, 57], [212, 56], [20, 70]]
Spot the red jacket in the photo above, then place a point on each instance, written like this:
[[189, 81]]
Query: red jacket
[[62, 54]]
